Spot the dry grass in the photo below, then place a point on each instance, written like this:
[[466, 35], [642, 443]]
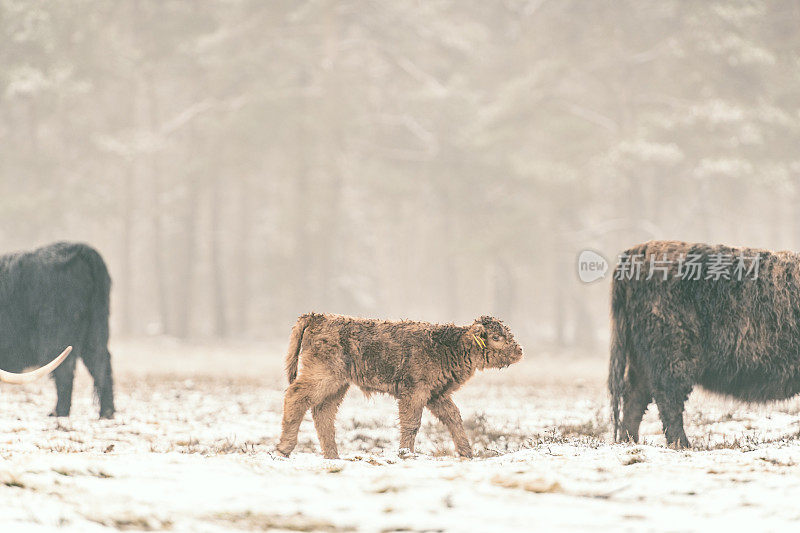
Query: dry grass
[[131, 522], [270, 522]]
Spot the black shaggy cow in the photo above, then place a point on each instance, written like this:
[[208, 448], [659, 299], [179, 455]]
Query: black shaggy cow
[[55, 296], [684, 314]]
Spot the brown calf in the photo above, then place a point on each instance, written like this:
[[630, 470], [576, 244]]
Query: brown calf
[[419, 363]]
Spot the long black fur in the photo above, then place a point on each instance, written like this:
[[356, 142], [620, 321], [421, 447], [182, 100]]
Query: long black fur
[[51, 297], [735, 337]]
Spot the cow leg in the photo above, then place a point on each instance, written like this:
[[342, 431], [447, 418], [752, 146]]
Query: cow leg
[[100, 369], [410, 406], [446, 411], [635, 399], [670, 402], [324, 415], [63, 376], [300, 397]]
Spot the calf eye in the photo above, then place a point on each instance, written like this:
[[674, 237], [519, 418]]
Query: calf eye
[[495, 337]]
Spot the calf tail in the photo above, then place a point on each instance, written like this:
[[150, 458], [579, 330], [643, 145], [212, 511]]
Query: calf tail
[[619, 353], [296, 338]]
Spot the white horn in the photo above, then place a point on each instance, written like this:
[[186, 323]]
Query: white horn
[[33, 375]]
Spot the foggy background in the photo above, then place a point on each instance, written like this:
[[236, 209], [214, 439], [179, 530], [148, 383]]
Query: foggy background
[[239, 162]]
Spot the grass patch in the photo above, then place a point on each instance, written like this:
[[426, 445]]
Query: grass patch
[[269, 522], [741, 442], [12, 481], [132, 522], [633, 456], [597, 427]]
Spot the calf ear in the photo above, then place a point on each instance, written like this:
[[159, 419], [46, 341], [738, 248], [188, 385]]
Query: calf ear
[[478, 334]]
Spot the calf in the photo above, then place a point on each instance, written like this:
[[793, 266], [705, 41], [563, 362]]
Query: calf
[[419, 363]]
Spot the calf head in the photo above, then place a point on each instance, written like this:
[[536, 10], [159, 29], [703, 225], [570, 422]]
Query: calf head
[[494, 343]]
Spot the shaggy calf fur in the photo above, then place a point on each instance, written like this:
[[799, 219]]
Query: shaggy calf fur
[[418, 363], [739, 337]]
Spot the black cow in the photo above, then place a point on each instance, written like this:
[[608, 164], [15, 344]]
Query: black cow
[[51, 297], [684, 314]]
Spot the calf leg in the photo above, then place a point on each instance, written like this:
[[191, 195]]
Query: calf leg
[[324, 415], [295, 404], [446, 411], [410, 406], [300, 397]]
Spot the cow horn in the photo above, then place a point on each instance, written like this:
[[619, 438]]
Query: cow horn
[[27, 377]]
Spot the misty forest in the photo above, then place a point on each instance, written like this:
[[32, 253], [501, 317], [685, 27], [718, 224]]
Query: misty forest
[[241, 162], [238, 164]]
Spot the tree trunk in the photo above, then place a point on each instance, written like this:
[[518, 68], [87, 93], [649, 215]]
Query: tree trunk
[[126, 269], [156, 222], [503, 289], [796, 215], [584, 327], [187, 258], [241, 281], [220, 323], [298, 216]]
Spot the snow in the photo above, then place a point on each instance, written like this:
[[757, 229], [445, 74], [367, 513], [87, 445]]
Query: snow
[[191, 450]]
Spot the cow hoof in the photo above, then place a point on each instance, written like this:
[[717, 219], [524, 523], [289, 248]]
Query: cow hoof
[[106, 415], [279, 453], [465, 454], [57, 414], [680, 445]]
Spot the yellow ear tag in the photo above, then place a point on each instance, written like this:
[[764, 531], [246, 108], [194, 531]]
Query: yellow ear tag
[[479, 341]]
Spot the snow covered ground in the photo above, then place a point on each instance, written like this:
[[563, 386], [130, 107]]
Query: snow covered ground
[[190, 450]]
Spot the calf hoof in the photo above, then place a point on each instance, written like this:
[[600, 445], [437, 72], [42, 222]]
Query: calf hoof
[[107, 414], [330, 455], [58, 413], [406, 453], [466, 454], [281, 452]]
